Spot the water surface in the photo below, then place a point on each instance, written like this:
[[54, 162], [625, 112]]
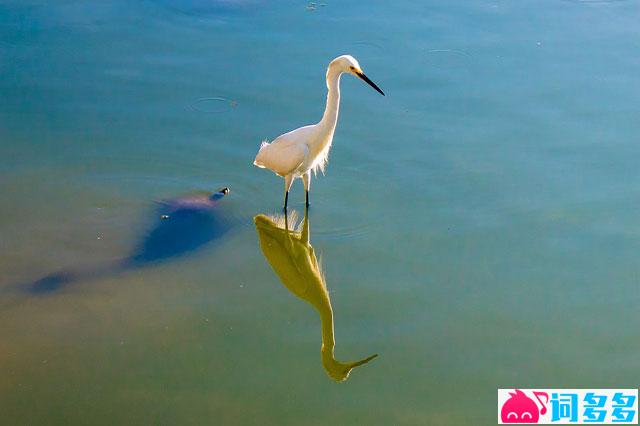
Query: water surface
[[478, 227]]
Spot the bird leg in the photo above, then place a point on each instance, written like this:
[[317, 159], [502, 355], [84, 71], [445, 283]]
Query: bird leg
[[306, 179], [288, 180]]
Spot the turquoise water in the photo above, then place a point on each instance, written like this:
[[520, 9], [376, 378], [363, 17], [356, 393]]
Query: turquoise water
[[478, 227]]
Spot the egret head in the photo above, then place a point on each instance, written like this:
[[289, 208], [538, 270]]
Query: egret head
[[349, 64]]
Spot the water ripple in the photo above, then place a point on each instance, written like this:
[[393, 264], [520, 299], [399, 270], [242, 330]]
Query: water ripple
[[369, 44], [213, 105], [446, 58], [344, 232]]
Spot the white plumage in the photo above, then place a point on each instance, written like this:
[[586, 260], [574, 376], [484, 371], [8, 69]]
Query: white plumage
[[296, 153]]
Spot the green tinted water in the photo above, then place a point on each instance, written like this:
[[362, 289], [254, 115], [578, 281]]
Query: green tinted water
[[477, 227]]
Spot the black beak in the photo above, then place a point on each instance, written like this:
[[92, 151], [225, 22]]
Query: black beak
[[369, 82]]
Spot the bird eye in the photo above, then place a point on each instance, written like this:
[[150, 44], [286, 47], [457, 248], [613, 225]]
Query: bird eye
[[352, 68]]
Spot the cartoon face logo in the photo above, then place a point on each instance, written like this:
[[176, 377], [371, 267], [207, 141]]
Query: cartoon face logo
[[519, 408]]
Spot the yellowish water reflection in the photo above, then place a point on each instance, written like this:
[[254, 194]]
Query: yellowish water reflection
[[293, 259]]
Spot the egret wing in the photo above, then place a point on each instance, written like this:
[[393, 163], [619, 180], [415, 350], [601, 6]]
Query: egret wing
[[283, 156]]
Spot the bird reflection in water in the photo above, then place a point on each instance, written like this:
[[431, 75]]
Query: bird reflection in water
[[293, 259]]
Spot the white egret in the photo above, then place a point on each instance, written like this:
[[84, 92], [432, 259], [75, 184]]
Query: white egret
[[295, 154]]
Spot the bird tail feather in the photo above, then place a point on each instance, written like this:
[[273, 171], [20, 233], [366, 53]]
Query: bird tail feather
[[258, 160]]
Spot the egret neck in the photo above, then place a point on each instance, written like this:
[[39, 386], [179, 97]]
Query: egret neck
[[330, 117]]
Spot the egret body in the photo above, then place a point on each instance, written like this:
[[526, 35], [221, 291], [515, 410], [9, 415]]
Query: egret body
[[296, 153]]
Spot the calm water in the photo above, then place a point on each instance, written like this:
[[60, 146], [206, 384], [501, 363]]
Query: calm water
[[478, 228]]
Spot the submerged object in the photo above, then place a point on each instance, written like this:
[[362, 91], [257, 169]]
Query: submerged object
[[183, 225], [294, 261], [186, 224]]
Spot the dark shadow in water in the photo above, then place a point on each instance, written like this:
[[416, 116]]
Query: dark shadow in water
[[294, 261], [184, 225]]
